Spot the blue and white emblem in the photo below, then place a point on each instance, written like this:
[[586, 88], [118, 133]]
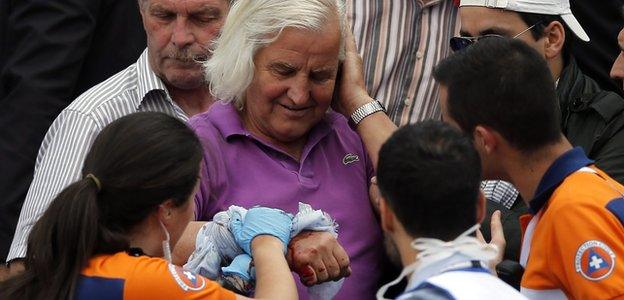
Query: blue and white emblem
[[594, 260], [186, 279]]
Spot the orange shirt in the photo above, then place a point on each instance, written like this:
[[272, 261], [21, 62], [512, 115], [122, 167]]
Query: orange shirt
[[577, 244], [121, 276]]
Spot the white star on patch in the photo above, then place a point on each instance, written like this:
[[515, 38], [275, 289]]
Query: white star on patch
[[596, 262]]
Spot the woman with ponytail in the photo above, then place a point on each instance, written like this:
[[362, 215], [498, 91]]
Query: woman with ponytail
[[104, 236]]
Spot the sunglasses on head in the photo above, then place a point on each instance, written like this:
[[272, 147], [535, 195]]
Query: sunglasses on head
[[462, 42]]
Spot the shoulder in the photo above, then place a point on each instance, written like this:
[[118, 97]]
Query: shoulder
[[155, 278], [426, 291], [115, 94], [218, 121], [340, 126], [585, 190]]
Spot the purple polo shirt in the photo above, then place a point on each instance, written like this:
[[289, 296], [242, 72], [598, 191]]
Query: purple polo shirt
[[333, 175]]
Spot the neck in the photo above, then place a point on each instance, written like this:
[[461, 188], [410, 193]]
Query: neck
[[407, 253], [556, 66], [148, 236], [193, 101], [292, 148], [527, 171]]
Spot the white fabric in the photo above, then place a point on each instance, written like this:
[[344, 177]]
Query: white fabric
[[470, 285], [543, 294], [166, 243], [431, 251], [216, 245], [544, 7]]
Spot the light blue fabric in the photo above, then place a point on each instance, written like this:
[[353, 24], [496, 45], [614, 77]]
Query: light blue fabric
[[240, 268]]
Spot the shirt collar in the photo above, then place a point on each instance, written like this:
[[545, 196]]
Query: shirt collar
[[566, 164], [148, 81], [226, 119]]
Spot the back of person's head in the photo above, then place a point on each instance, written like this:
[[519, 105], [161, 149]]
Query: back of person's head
[[429, 174], [135, 164], [252, 25], [505, 85]]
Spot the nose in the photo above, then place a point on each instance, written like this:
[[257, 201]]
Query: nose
[[182, 36], [299, 91], [617, 71]]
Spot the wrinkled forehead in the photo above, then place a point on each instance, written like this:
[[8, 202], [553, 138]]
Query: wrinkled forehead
[[477, 21], [185, 6]]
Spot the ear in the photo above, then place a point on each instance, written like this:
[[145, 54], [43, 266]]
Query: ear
[[485, 140], [165, 211], [555, 38], [387, 216], [480, 207]]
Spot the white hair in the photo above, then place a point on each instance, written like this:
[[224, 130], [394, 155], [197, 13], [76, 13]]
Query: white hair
[[253, 24]]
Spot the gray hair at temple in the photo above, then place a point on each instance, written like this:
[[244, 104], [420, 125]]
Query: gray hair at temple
[[253, 24]]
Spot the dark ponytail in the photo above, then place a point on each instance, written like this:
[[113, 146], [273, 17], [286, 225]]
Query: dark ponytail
[[136, 163]]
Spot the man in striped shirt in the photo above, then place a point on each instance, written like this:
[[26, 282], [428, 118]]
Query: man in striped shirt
[[166, 78], [400, 42]]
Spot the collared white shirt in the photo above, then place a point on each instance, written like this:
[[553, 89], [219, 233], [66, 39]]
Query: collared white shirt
[[67, 142]]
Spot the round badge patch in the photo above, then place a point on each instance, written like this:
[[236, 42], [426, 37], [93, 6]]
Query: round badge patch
[[187, 280], [594, 260]]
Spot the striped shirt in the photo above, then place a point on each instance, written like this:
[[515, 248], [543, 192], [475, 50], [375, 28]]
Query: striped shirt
[[500, 191], [401, 41], [65, 146]]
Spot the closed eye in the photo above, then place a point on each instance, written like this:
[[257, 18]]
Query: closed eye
[[282, 69]]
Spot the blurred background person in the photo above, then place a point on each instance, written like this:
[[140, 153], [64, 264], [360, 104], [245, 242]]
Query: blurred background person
[[602, 20], [51, 52]]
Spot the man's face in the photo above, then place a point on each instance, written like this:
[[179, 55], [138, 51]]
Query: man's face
[[617, 71], [479, 21], [180, 32], [293, 83]]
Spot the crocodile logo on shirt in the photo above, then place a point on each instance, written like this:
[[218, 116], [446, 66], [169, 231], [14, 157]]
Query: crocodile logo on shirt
[[350, 158]]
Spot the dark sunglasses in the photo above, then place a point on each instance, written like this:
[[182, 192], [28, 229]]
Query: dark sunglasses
[[458, 43]]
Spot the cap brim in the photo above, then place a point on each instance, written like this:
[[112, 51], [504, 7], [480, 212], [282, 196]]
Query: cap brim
[[575, 26]]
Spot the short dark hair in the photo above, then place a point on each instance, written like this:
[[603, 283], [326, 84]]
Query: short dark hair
[[541, 22], [140, 161], [506, 85], [429, 173]]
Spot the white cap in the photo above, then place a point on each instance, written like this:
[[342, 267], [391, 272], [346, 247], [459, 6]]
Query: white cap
[[544, 7]]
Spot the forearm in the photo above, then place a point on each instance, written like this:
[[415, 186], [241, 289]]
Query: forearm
[[374, 131], [273, 277], [186, 244]]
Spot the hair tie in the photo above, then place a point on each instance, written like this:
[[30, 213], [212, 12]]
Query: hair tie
[[95, 180]]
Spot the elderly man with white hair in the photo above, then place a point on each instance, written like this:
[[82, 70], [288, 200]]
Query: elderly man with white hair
[[166, 78], [273, 140]]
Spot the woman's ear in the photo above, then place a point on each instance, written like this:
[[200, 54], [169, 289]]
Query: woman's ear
[[165, 211]]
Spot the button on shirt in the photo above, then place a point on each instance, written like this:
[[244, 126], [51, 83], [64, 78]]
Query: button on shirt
[[65, 146], [400, 42], [332, 174]]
